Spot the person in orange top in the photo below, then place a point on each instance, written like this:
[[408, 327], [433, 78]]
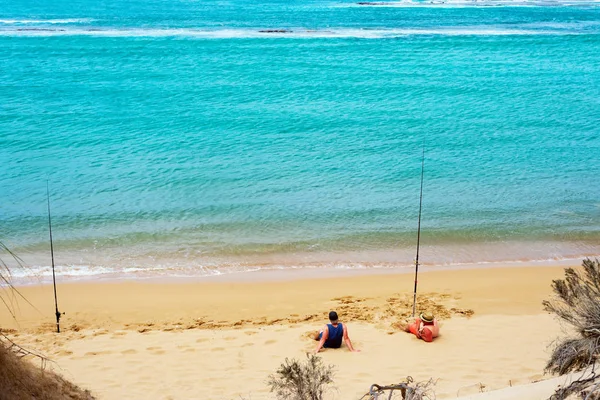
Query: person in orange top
[[425, 327]]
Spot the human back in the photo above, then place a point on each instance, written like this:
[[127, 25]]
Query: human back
[[335, 336]]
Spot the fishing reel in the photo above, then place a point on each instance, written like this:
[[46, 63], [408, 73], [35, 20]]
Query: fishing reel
[[58, 315]]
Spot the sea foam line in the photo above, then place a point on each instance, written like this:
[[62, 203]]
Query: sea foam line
[[82, 272], [71, 273], [470, 3], [285, 33], [45, 21]]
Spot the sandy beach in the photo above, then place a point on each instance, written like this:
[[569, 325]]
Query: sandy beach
[[207, 180], [130, 340]]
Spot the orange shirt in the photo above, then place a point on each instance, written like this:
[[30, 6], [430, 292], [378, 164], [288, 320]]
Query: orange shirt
[[425, 330]]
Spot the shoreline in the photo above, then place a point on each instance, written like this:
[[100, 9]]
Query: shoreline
[[231, 295], [266, 273], [167, 336]]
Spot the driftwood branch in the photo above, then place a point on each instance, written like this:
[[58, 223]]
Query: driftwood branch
[[418, 391]]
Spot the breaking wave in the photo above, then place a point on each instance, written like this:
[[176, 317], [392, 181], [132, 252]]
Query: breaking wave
[[473, 3], [57, 21]]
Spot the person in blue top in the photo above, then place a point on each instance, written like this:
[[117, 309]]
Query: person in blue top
[[330, 337]]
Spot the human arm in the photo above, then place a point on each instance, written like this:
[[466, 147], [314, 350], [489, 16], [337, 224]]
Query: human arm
[[324, 336], [348, 341], [416, 327]]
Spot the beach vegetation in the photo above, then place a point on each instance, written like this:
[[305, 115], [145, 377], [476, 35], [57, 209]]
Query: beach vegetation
[[576, 302], [7, 290], [20, 378], [296, 380]]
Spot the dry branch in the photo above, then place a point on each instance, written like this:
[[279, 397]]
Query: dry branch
[[408, 391], [295, 380]]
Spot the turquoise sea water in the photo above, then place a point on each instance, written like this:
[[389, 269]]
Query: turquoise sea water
[[178, 138]]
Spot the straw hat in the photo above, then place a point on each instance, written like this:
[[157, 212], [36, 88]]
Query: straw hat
[[426, 317]]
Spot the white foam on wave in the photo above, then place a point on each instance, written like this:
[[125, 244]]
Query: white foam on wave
[[43, 274], [56, 21], [77, 272], [471, 3], [292, 33]]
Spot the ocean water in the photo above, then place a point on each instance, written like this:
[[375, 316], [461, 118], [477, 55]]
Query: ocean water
[[187, 138]]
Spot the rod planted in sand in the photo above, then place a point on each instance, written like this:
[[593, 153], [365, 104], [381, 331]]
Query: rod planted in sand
[[418, 235], [52, 254]]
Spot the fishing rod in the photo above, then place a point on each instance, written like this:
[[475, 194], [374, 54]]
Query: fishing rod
[[418, 235], [58, 314]]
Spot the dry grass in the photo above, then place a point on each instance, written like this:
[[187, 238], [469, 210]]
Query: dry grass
[[19, 378]]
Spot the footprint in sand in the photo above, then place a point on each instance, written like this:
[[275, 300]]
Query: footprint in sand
[[229, 338], [202, 340], [186, 349], [218, 349], [155, 350], [129, 351], [97, 353], [250, 333], [247, 344], [270, 341]]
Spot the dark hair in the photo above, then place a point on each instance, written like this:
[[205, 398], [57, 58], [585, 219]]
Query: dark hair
[[333, 316]]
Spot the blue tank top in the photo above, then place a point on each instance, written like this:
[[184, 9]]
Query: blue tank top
[[334, 339]]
